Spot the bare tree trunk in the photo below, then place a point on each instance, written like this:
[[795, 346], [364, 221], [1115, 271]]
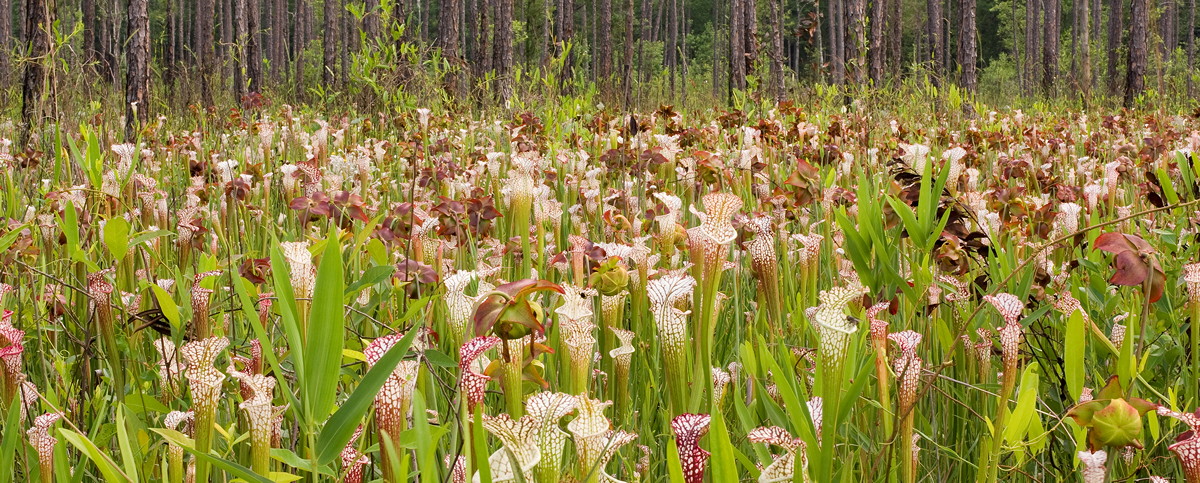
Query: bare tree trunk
[[448, 35], [483, 32], [225, 50], [777, 49], [503, 61], [137, 59], [877, 54], [254, 71], [669, 54], [628, 74], [933, 32], [1134, 79], [1085, 48], [1050, 47], [5, 37], [169, 58], [604, 41], [837, 36], [750, 33], [857, 50], [719, 63], [205, 11], [967, 51], [345, 41], [239, 47], [299, 42], [1116, 28], [1191, 47], [330, 44], [370, 19], [737, 46], [39, 15]]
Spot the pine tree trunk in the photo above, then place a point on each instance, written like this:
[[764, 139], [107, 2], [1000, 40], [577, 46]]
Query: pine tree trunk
[[203, 45], [503, 60], [628, 65], [1085, 48], [137, 60], [837, 36], [225, 51], [604, 41], [239, 47], [254, 58], [856, 52], [967, 49], [1116, 21], [737, 46], [1134, 78], [370, 19], [777, 55], [5, 38], [39, 15], [1191, 47], [937, 52], [448, 35], [750, 33], [876, 51], [1050, 47], [332, 19]]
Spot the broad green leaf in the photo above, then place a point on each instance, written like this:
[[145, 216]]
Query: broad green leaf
[[724, 463], [674, 465], [1018, 424], [230, 467], [128, 459], [106, 465], [116, 237], [1074, 343], [10, 440], [340, 427], [326, 332]]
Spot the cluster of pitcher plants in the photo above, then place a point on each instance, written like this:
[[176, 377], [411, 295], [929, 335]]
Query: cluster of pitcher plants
[[577, 295]]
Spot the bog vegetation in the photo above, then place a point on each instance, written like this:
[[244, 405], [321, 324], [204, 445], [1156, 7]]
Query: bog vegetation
[[772, 293], [537, 241]]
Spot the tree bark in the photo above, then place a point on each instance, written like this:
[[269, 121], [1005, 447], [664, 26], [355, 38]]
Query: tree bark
[[1116, 20], [737, 46], [240, 26], [628, 64], [1050, 47], [857, 50], [837, 36], [1085, 48], [1134, 78], [777, 89], [876, 52], [203, 46], [448, 35], [604, 41], [503, 60], [5, 38], [137, 60], [933, 32], [332, 19], [254, 57], [1191, 47], [39, 15], [967, 50], [225, 51], [370, 19]]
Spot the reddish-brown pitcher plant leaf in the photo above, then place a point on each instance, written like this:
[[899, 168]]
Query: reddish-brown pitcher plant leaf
[[1131, 264], [509, 312]]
